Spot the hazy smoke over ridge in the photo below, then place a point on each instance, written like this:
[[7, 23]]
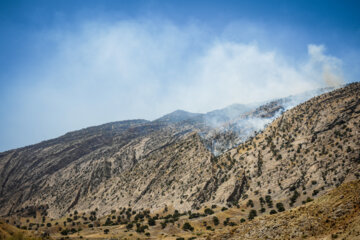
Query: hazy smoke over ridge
[[330, 66], [105, 72]]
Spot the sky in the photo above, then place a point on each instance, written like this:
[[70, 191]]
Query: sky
[[70, 64]]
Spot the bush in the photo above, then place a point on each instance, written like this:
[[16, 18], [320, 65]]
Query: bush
[[129, 226], [224, 209], [141, 229], [315, 192], [187, 227], [216, 221], [280, 207], [294, 197], [242, 220], [194, 215], [273, 212], [250, 203], [208, 211], [163, 225], [252, 214], [108, 222], [64, 232], [226, 222], [106, 231], [151, 222]]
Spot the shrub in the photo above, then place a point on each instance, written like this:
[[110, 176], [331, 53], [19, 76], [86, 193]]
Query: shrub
[[129, 226], [273, 212], [108, 222], [141, 229], [106, 231], [250, 203], [64, 232], [216, 221], [252, 214], [315, 192], [194, 215], [163, 225], [151, 222], [280, 207], [294, 197], [187, 227], [208, 211], [269, 201]]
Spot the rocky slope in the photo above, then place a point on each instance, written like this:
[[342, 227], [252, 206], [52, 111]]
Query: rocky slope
[[308, 149], [149, 165], [334, 215]]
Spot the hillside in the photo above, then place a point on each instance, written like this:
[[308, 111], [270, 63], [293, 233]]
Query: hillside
[[167, 164], [127, 163], [334, 215]]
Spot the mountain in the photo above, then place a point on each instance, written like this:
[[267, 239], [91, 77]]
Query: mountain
[[178, 116], [122, 157], [183, 162]]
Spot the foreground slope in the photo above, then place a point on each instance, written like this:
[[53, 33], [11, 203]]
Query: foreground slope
[[334, 215]]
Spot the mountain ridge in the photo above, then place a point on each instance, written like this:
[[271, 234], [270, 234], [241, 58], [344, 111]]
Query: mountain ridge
[[156, 164]]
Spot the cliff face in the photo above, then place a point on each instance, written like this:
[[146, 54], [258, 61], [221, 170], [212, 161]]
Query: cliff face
[[142, 164]]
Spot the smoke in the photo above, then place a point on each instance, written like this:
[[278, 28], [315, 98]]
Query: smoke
[[107, 71], [329, 66]]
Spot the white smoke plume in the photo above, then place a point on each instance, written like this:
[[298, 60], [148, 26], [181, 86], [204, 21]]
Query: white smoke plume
[[102, 72], [329, 66]]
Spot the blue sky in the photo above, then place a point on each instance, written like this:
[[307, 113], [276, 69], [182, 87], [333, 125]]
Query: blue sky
[[65, 65]]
